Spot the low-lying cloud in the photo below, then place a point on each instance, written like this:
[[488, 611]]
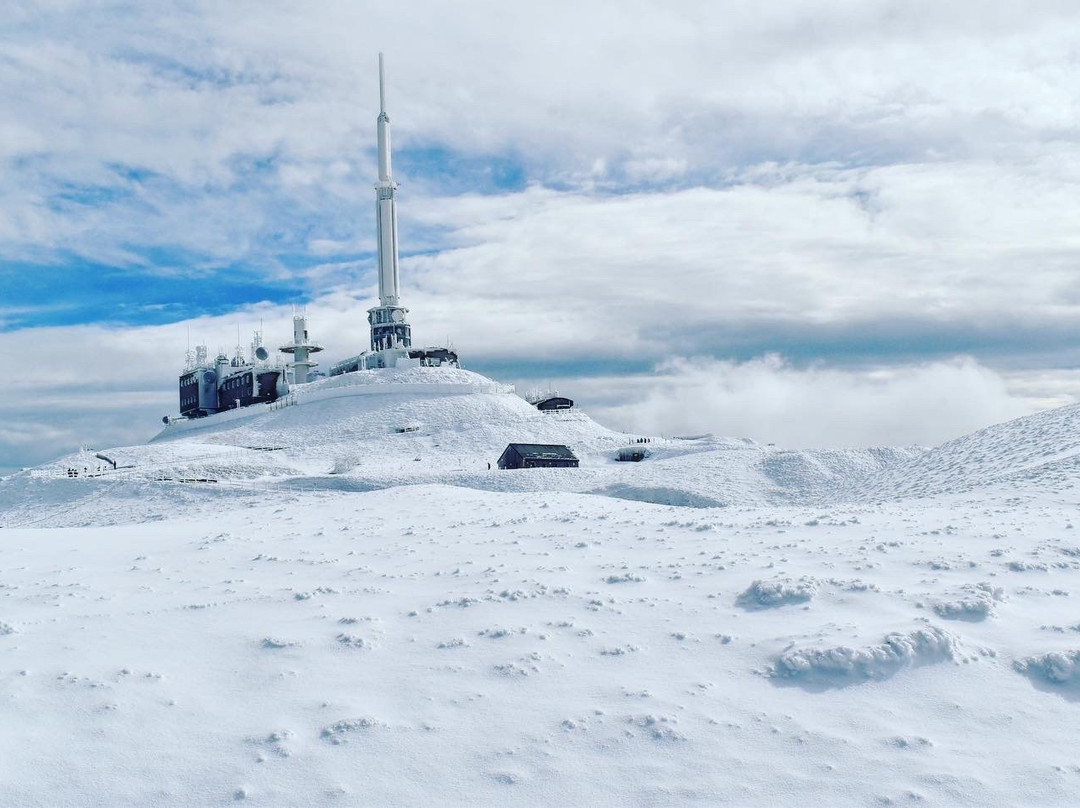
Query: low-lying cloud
[[99, 387], [771, 401]]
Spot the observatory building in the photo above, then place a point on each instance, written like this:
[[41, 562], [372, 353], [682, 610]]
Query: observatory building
[[208, 387]]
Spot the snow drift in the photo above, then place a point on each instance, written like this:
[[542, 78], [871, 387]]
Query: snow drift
[[846, 665]]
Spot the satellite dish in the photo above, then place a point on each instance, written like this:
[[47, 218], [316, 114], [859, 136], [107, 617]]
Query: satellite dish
[[398, 315], [262, 354]]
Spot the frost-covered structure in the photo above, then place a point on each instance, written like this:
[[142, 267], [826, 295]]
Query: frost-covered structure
[[212, 387], [391, 334]]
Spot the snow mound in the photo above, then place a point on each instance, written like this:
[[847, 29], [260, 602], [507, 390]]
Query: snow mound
[[340, 731], [1057, 668], [381, 429], [770, 594], [975, 602], [844, 665]]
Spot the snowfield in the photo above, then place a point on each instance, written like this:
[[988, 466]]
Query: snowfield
[[305, 606]]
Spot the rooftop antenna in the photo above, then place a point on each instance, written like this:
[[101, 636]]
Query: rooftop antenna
[[189, 359], [238, 358]]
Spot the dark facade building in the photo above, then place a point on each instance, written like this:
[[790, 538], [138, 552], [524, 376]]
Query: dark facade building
[[537, 455], [554, 403], [247, 388]]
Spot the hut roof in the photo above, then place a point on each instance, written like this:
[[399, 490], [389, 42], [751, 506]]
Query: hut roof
[[542, 450]]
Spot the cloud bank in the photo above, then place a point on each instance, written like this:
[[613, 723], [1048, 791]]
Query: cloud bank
[[772, 402]]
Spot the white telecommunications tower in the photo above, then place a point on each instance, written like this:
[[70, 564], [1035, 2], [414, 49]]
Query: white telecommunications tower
[[389, 328]]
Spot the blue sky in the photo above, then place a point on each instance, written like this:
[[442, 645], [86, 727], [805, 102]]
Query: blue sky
[[869, 187]]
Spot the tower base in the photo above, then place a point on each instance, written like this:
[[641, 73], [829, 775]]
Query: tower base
[[397, 357], [389, 328]]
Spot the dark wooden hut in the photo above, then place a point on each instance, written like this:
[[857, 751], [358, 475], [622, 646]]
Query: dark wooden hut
[[555, 403], [537, 455]]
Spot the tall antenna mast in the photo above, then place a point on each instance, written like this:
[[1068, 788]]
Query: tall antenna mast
[[382, 87], [389, 326]]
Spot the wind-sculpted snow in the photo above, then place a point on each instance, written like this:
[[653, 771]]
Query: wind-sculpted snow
[[659, 495], [1059, 669], [975, 602], [843, 665], [769, 594], [431, 644], [342, 731]]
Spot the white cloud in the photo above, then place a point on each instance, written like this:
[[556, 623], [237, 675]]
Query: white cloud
[[825, 178], [939, 257], [772, 402], [197, 93], [926, 254]]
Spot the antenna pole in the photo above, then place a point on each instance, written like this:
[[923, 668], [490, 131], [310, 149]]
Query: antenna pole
[[382, 86]]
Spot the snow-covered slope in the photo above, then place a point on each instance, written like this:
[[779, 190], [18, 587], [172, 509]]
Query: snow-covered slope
[[346, 435], [437, 645], [237, 615], [1039, 452]]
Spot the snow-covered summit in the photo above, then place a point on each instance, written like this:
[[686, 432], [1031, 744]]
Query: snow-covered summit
[[412, 426], [413, 379], [377, 429]]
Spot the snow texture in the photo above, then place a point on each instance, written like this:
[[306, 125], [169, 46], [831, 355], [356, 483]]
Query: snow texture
[[765, 595], [304, 605], [975, 602], [1058, 668], [844, 664]]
